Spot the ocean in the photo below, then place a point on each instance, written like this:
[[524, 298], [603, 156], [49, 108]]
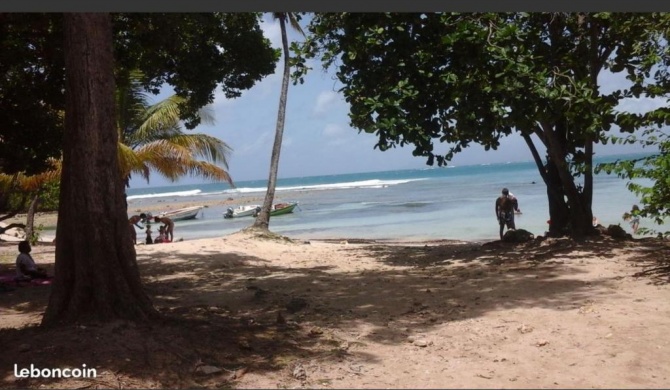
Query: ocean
[[455, 202]]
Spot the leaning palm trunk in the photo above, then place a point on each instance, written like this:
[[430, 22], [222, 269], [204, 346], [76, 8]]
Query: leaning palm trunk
[[263, 218]]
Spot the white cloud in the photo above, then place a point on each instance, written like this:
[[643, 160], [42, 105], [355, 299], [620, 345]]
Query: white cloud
[[260, 144], [337, 134], [271, 30], [270, 85], [220, 100], [333, 130], [324, 102], [609, 82], [641, 105]]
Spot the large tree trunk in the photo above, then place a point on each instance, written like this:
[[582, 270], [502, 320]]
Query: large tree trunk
[[559, 212], [96, 274], [568, 213], [569, 209], [263, 217]]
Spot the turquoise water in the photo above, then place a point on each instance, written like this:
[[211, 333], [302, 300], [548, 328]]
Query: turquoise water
[[432, 203]]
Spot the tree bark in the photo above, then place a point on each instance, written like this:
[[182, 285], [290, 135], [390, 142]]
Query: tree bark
[[263, 218], [96, 273], [559, 212], [30, 220]]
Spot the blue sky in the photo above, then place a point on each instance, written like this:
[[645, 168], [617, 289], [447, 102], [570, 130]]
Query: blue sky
[[317, 137]]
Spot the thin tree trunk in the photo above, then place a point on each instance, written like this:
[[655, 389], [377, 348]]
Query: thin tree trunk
[[30, 220], [263, 217], [96, 273], [587, 192]]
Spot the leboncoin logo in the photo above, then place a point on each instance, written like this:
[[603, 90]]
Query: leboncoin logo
[[36, 372]]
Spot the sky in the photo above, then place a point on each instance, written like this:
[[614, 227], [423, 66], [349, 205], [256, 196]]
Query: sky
[[317, 137]]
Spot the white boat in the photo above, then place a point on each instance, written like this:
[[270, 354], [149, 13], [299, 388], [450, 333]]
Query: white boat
[[241, 211], [182, 214]]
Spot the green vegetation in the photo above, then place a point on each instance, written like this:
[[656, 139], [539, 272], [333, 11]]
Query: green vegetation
[[151, 139], [654, 198], [193, 53], [441, 81]]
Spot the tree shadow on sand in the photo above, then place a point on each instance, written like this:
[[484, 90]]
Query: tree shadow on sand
[[241, 313], [654, 259]]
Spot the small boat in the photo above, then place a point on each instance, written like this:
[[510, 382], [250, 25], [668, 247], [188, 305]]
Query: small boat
[[182, 214], [241, 211], [282, 208]]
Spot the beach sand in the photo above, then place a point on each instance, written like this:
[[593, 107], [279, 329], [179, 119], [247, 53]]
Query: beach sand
[[247, 311]]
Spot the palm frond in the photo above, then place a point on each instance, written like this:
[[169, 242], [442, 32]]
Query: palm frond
[[159, 118], [32, 183], [207, 115], [203, 169], [131, 104], [131, 162], [292, 20], [173, 160], [204, 146], [153, 139]]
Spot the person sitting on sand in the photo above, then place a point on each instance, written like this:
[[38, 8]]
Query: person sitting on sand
[[161, 235], [133, 221], [26, 269], [169, 227], [506, 205]]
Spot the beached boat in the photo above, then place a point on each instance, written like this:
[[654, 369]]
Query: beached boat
[[282, 208], [182, 214], [241, 211]]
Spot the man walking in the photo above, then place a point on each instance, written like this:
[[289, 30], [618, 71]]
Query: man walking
[[506, 205]]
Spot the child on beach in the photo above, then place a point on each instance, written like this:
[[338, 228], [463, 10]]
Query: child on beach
[[149, 240], [161, 235], [26, 269]]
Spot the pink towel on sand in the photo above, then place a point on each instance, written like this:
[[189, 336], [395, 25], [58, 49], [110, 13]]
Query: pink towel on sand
[[8, 278]]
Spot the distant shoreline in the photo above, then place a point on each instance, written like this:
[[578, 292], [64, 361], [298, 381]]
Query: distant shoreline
[[49, 219]]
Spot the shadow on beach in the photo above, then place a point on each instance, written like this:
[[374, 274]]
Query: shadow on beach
[[241, 313]]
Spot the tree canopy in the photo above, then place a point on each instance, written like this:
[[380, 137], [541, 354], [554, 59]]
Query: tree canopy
[[193, 53], [441, 81], [31, 91]]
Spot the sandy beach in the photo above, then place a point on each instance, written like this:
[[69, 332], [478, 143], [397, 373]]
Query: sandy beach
[[245, 311], [49, 219]]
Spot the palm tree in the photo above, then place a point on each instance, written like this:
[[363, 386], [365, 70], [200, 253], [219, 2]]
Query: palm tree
[[263, 217], [16, 189], [151, 139]]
